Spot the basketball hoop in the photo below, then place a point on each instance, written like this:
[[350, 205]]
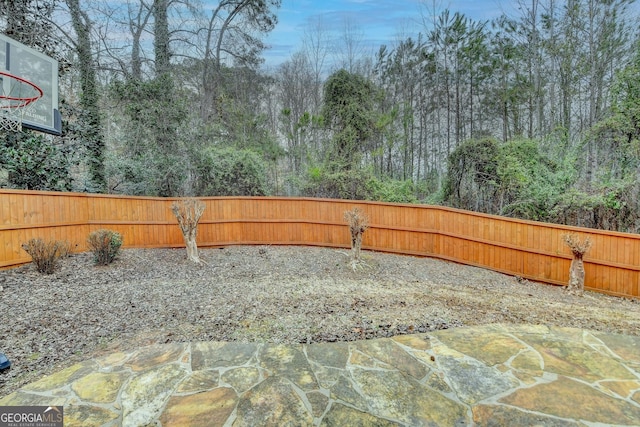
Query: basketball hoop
[[17, 96]]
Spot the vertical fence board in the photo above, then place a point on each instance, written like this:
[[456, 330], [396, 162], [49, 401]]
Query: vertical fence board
[[5, 211]]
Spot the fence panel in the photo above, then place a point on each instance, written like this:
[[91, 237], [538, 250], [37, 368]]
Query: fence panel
[[524, 248], [49, 215]]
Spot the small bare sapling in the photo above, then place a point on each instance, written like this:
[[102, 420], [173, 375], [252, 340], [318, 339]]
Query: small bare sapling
[[358, 223], [188, 213], [576, 270]]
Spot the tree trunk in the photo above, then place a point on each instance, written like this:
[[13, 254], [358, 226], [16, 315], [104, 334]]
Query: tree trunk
[[576, 277], [137, 26], [192, 247], [89, 99], [356, 245], [161, 37]]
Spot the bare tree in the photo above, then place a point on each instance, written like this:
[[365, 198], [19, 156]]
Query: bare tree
[[358, 223], [350, 48], [229, 37], [188, 213], [138, 20], [295, 84], [576, 270], [316, 42], [124, 56]]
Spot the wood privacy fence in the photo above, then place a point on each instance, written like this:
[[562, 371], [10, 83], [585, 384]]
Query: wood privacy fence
[[528, 249]]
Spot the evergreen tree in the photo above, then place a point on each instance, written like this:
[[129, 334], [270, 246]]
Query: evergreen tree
[[349, 111]]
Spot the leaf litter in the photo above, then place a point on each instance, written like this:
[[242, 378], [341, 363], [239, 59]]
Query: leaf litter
[[277, 294]]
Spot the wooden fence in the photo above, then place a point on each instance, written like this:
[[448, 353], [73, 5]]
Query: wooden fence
[[528, 249]]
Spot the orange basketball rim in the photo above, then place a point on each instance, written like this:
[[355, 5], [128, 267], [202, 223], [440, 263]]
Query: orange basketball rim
[[21, 94]]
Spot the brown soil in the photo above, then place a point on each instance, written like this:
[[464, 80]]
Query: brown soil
[[277, 294]]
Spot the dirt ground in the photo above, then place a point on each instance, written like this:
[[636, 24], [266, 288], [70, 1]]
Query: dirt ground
[[279, 294]]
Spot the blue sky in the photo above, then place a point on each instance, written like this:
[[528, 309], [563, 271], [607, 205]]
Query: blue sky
[[380, 21]]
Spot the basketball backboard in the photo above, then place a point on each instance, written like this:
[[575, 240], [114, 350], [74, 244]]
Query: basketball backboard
[[40, 70]]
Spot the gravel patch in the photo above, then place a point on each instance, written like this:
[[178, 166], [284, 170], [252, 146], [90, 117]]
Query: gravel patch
[[278, 294]]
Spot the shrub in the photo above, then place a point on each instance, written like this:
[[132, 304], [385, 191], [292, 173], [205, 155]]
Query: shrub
[[34, 163], [45, 255], [391, 190], [517, 178], [330, 182], [229, 172], [105, 245]]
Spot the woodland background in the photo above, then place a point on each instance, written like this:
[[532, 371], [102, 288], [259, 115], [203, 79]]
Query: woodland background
[[535, 116]]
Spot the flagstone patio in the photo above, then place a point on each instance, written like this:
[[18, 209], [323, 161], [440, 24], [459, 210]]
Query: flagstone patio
[[491, 375]]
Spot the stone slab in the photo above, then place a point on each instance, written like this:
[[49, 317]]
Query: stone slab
[[570, 399], [211, 408]]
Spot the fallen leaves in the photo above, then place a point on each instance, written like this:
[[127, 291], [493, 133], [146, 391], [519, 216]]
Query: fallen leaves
[[279, 294]]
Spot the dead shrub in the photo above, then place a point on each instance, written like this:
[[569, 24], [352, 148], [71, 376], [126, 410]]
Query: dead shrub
[[576, 270], [105, 245], [45, 255]]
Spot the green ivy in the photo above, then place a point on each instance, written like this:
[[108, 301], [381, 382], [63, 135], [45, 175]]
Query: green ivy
[[229, 172], [390, 190], [34, 163]]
